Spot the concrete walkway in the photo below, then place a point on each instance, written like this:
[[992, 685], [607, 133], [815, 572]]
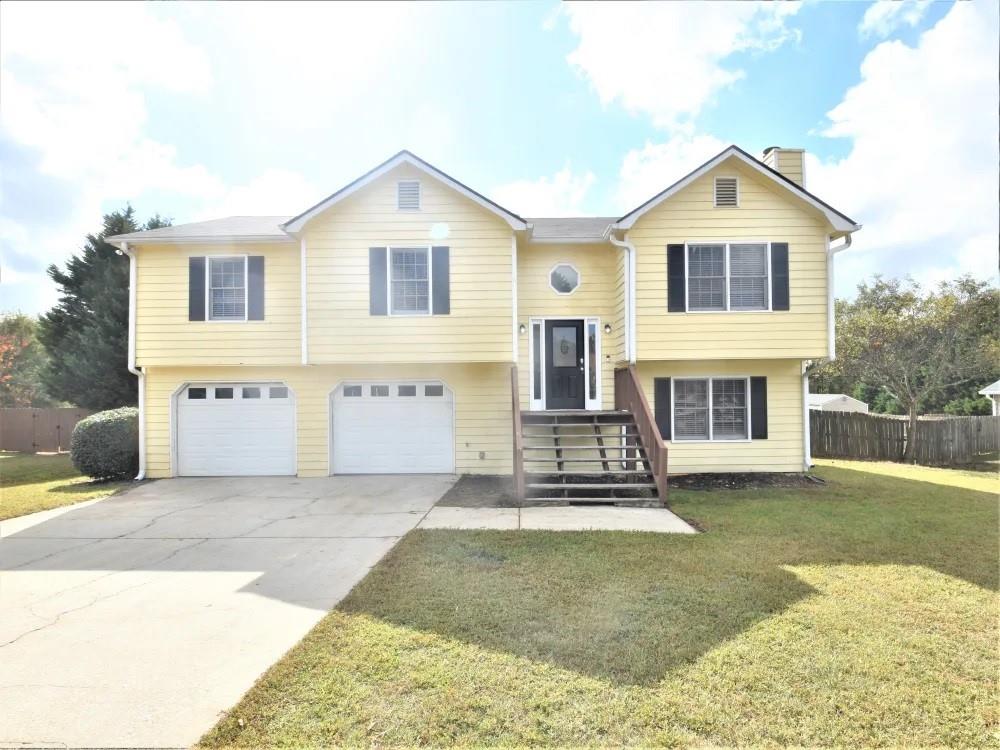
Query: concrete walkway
[[558, 518], [137, 620]]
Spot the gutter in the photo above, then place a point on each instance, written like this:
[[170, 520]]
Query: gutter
[[629, 248], [124, 248]]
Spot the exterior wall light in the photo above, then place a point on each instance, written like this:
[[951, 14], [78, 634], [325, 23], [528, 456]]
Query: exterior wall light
[[607, 328], [522, 329]]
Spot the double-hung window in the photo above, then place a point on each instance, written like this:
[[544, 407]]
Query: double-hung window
[[711, 409], [409, 280], [227, 288], [728, 276]]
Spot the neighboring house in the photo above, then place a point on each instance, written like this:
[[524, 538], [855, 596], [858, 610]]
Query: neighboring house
[[376, 331], [836, 402], [993, 391]]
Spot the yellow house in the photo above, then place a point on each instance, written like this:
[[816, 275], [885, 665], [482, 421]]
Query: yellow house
[[408, 324]]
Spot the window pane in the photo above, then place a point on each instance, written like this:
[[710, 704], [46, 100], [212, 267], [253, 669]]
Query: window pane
[[197, 393], [592, 360], [433, 390], [379, 390], [251, 392], [690, 410], [729, 409], [707, 277], [407, 390], [564, 278], [227, 289], [278, 391], [748, 287], [564, 346], [223, 393], [352, 391], [409, 280]]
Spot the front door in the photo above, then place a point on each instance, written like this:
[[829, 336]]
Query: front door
[[564, 364]]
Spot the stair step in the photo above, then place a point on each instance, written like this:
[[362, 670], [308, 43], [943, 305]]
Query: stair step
[[589, 433], [580, 422], [616, 459], [598, 486], [595, 448], [584, 473]]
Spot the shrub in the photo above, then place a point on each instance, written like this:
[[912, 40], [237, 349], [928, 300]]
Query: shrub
[[106, 445]]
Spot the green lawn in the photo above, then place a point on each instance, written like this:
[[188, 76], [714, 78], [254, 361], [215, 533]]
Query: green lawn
[[30, 482], [859, 613]]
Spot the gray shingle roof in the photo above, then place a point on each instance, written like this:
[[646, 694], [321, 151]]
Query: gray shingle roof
[[570, 228], [243, 227]]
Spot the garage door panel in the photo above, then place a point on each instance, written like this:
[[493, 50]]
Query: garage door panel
[[235, 437], [393, 434]]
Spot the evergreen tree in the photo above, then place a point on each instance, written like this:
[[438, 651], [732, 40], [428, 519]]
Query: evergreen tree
[[86, 333]]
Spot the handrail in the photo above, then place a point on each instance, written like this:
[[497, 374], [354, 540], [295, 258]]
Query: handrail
[[629, 396], [515, 399]]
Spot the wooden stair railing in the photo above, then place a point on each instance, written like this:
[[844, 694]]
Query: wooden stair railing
[[515, 399], [629, 396]]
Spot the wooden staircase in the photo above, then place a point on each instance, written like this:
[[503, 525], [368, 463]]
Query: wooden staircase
[[585, 457]]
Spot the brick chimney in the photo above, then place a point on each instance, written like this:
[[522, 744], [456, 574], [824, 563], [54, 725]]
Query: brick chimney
[[789, 161]]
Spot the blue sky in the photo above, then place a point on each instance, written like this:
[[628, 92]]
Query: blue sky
[[197, 110]]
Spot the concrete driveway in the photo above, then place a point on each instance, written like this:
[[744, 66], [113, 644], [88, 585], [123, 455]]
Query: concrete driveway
[[135, 621]]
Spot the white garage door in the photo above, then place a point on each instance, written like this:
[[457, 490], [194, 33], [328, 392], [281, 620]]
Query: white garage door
[[393, 428], [235, 429]]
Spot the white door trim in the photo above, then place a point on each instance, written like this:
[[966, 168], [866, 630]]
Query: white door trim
[[538, 404]]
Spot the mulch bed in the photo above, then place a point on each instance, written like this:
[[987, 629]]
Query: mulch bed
[[742, 481]]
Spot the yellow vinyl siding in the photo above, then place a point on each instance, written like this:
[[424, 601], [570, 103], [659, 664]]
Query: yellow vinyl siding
[[783, 448], [597, 295], [341, 329], [790, 165], [165, 336], [482, 408], [765, 213]]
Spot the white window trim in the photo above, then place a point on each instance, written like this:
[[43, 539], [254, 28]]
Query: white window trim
[[726, 244], [715, 190], [420, 195], [711, 437], [430, 282], [579, 278], [536, 402], [208, 288]]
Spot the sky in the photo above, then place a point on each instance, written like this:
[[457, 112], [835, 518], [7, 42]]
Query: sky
[[198, 111]]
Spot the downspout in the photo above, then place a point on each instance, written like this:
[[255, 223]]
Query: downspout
[[137, 371], [629, 249], [806, 437], [831, 332]]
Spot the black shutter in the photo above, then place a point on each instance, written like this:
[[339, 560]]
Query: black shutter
[[779, 275], [675, 279], [661, 405], [196, 288], [758, 408], [255, 287], [377, 293], [441, 283]]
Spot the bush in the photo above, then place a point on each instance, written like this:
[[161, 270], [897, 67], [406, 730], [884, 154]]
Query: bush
[[106, 445]]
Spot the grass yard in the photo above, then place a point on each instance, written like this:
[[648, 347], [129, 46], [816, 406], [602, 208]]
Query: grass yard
[[856, 614], [30, 482]]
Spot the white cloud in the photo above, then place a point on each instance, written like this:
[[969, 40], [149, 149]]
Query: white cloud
[[563, 194], [648, 170], [275, 192], [667, 60], [885, 16], [921, 174]]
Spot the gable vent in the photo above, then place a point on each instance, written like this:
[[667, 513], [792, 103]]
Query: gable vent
[[408, 195], [726, 192]]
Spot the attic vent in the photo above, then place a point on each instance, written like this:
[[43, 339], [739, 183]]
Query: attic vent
[[408, 195], [726, 192]]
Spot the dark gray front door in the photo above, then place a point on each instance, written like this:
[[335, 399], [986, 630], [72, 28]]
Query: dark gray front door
[[564, 381]]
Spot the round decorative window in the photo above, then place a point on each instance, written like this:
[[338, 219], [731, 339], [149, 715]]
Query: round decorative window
[[564, 278]]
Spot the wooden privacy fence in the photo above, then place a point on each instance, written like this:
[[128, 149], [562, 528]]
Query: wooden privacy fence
[[955, 440], [38, 430]]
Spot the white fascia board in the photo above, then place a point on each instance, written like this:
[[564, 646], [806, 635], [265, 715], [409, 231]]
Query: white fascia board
[[836, 221], [248, 239], [297, 224]]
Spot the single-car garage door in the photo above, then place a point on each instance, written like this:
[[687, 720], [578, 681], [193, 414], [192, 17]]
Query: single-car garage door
[[235, 429], [393, 428]]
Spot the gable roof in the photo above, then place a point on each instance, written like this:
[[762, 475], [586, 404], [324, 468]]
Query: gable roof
[[243, 228], [821, 399], [840, 221], [296, 223], [993, 389]]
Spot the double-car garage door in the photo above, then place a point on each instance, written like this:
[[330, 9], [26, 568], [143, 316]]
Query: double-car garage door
[[248, 429]]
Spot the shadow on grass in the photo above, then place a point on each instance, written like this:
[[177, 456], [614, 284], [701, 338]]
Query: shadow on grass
[[631, 608]]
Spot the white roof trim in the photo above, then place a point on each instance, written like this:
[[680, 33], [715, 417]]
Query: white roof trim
[[403, 157], [838, 222], [215, 239]]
